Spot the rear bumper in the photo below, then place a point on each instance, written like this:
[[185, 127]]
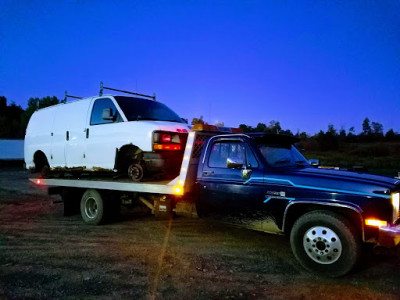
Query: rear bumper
[[389, 236], [169, 162]]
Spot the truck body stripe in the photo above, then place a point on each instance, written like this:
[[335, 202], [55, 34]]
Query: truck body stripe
[[276, 180]]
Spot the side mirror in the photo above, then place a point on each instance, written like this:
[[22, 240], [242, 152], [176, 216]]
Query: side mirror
[[234, 164], [107, 114], [314, 162]]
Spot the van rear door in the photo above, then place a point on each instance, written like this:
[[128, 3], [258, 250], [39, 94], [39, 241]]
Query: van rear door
[[68, 143]]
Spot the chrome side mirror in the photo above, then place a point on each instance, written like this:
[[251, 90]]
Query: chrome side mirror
[[314, 162], [246, 173], [236, 164]]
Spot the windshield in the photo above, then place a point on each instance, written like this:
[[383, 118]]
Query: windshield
[[278, 155], [136, 109]]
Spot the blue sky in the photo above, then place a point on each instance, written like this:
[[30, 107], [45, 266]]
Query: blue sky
[[306, 64]]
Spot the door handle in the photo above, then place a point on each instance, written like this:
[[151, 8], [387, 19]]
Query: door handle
[[208, 172], [87, 133], [67, 135]]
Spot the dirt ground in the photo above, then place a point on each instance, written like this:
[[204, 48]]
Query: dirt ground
[[46, 255]]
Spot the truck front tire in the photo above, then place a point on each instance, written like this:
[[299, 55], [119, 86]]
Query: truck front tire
[[92, 207], [325, 243]]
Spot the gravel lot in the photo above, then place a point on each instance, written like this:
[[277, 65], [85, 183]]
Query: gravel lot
[[46, 255]]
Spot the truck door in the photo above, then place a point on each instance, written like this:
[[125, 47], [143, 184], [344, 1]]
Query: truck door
[[236, 193], [103, 134]]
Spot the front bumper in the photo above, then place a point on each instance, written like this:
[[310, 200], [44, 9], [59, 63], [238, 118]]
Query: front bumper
[[389, 236]]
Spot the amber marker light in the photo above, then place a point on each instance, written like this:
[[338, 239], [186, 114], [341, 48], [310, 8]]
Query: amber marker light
[[376, 223], [178, 190], [396, 206]]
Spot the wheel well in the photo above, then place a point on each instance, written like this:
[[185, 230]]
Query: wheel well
[[40, 160], [297, 210], [124, 153]]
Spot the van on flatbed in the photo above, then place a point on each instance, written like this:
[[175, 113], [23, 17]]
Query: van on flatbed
[[261, 182], [132, 136]]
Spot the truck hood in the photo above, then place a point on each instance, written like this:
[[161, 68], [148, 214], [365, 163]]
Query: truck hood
[[366, 178], [341, 181]]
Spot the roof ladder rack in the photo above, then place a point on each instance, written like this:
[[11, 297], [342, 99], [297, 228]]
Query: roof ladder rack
[[102, 87], [69, 96]]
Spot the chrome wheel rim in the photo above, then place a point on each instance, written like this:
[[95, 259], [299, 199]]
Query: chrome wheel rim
[[134, 172], [91, 208], [322, 245]]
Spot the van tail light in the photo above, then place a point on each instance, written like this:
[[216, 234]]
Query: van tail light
[[166, 147], [169, 141], [166, 138]]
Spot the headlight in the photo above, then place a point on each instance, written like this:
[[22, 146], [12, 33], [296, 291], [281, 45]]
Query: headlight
[[396, 206]]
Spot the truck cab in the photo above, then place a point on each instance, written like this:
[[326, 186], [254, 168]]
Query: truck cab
[[263, 182]]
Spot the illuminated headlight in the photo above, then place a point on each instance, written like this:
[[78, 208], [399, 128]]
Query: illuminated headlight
[[396, 206]]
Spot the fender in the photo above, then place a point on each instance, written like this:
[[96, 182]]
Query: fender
[[342, 204]]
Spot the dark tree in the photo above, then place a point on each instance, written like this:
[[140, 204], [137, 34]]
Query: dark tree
[[377, 129], [246, 128], [10, 120], [261, 127], [392, 136], [197, 121], [274, 127], [366, 127], [328, 141]]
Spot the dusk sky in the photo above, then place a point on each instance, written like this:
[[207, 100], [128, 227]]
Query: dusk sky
[[305, 64]]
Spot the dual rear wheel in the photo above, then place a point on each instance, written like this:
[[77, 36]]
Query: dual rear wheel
[[98, 207]]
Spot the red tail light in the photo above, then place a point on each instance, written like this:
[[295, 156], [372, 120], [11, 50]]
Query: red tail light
[[170, 141], [166, 138]]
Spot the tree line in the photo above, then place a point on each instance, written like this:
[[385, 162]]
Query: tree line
[[14, 120]]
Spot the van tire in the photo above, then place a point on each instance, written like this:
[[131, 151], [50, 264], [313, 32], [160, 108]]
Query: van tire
[[135, 172], [41, 164], [92, 207]]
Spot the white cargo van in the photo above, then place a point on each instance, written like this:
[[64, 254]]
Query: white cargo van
[[130, 135]]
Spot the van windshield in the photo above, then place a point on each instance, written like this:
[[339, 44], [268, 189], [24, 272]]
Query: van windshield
[[136, 109]]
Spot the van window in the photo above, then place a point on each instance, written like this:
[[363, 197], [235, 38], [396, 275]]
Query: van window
[[97, 112]]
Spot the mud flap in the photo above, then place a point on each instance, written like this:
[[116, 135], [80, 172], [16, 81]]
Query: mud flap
[[163, 207], [71, 198]]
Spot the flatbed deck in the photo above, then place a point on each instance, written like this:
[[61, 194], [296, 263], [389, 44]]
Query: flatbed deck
[[157, 187]]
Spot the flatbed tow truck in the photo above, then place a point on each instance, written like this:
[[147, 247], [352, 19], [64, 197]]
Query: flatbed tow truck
[[162, 197], [260, 182]]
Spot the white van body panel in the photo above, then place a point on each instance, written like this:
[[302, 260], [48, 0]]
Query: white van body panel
[[38, 134], [64, 134]]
